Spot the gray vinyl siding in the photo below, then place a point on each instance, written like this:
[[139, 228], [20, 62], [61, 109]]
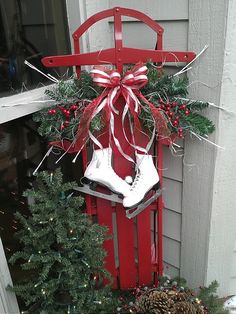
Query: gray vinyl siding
[[156, 9], [172, 215]]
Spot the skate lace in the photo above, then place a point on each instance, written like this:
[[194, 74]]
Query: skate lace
[[137, 179]]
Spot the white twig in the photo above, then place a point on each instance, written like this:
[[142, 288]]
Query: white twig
[[187, 67], [205, 139], [46, 155], [48, 76]]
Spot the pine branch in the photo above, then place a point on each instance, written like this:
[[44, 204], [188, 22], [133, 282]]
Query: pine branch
[[198, 124], [211, 300]]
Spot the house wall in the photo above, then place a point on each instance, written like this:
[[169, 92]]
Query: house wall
[[208, 231], [221, 264]]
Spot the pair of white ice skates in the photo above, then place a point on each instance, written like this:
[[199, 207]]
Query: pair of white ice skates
[[100, 171]]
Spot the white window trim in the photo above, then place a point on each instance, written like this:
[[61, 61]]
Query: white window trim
[[8, 301], [19, 105]]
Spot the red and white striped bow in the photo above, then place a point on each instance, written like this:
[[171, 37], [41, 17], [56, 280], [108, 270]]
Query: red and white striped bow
[[115, 86]]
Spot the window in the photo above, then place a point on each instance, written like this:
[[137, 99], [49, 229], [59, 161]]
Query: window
[[30, 30]]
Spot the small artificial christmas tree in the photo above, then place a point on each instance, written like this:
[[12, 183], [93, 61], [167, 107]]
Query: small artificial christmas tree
[[62, 252]]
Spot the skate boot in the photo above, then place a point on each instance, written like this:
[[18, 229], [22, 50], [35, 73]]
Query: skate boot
[[146, 179], [100, 171]]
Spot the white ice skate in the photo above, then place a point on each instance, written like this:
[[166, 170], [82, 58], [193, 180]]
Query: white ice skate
[[146, 179], [100, 172]]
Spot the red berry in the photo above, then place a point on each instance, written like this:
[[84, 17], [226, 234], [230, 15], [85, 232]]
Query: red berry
[[177, 118], [168, 108], [62, 126], [174, 104], [163, 107], [175, 123], [182, 107], [66, 112], [187, 112], [66, 123], [181, 135], [170, 114], [180, 130], [52, 111], [74, 107]]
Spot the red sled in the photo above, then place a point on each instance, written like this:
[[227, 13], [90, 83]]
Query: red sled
[[135, 250]]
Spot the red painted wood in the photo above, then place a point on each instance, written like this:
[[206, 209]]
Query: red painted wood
[[126, 55], [104, 216], [125, 234], [122, 11], [144, 247], [118, 38], [125, 227], [88, 199], [160, 206]]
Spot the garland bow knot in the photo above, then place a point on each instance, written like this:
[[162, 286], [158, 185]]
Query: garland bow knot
[[115, 86]]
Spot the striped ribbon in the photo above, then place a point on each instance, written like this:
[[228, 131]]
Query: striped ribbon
[[114, 87]]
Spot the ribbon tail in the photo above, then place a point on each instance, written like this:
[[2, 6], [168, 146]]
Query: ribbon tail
[[89, 113], [116, 141], [136, 147], [159, 120], [96, 141]]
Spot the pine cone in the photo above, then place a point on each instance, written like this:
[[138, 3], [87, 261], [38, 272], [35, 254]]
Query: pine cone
[[199, 309], [179, 297], [154, 302], [183, 308]]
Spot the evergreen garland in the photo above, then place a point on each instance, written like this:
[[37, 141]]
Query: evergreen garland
[[169, 93], [62, 252]]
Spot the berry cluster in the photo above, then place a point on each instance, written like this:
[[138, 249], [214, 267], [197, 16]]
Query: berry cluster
[[174, 111], [67, 113]]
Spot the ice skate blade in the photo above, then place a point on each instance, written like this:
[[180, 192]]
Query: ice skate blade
[[110, 197], [131, 213], [93, 184]]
